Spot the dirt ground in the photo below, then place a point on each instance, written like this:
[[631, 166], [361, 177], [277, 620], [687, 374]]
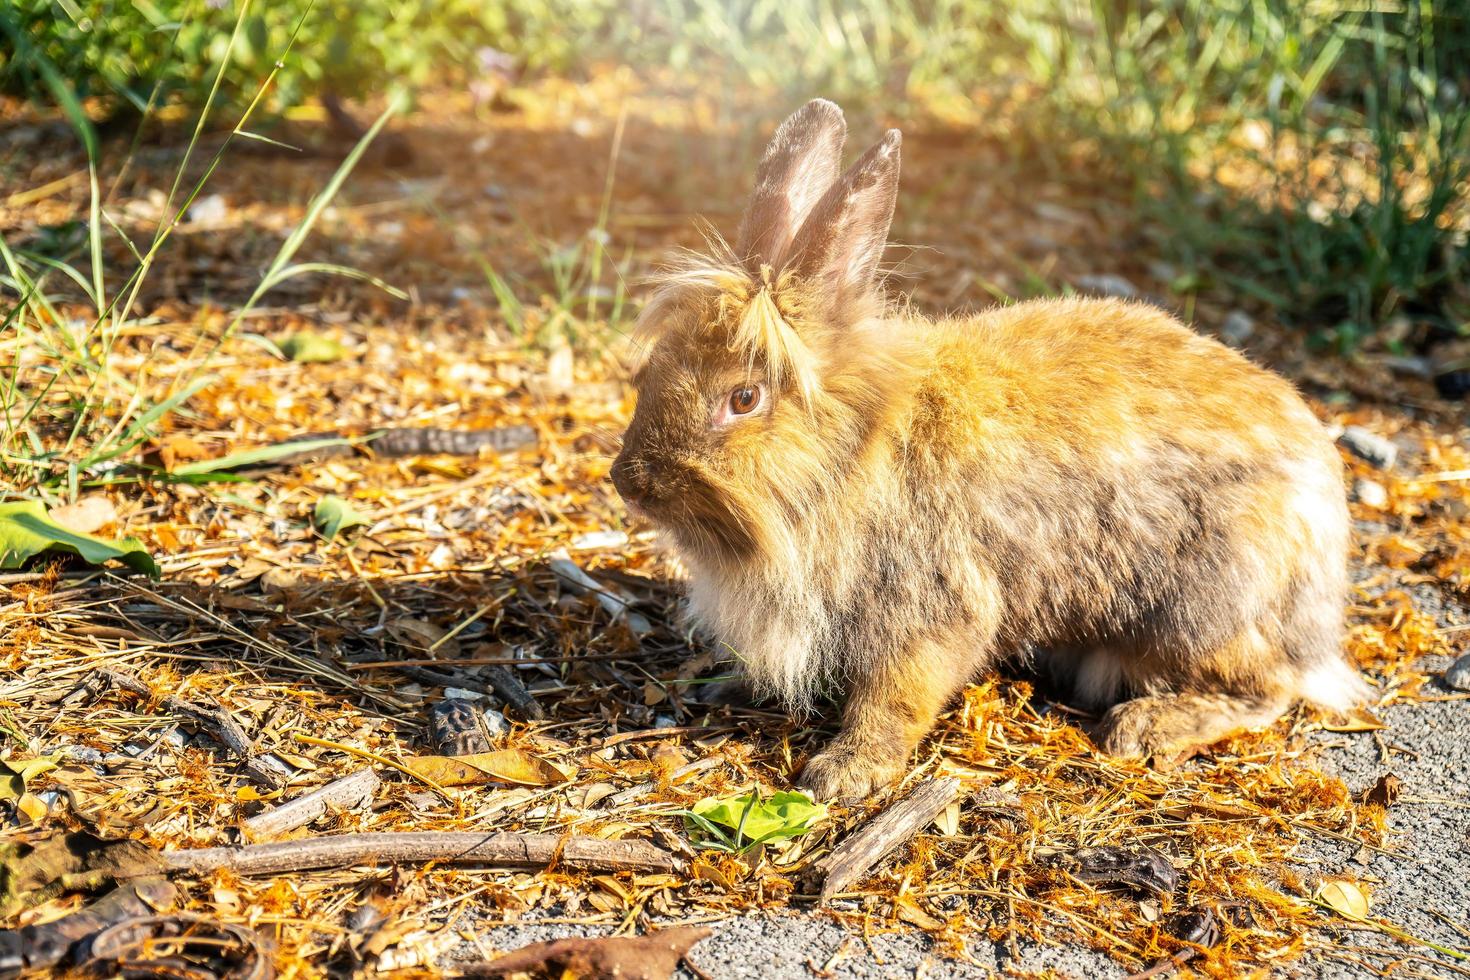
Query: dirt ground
[[331, 653]]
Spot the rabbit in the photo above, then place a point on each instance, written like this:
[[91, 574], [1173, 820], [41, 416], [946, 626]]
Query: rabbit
[[877, 504]]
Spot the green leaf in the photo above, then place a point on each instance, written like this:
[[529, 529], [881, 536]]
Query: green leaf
[[26, 531], [784, 815], [262, 454], [333, 514], [14, 776], [312, 348]]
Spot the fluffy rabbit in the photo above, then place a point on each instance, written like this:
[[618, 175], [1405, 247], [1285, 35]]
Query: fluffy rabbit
[[877, 503]]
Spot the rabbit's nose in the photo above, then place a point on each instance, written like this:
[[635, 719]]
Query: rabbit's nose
[[628, 486]]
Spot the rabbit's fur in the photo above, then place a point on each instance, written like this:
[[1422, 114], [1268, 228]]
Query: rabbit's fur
[[1086, 483]]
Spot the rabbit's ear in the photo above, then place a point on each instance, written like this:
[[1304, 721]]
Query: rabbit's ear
[[842, 239], [799, 165]]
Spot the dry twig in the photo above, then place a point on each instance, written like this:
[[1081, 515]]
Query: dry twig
[[854, 856], [214, 719], [352, 790], [512, 850]]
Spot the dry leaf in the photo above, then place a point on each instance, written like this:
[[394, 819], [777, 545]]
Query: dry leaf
[[1357, 720], [420, 638], [180, 448], [1347, 898], [596, 793], [32, 873], [908, 910], [705, 871], [948, 820], [613, 885], [504, 765], [33, 807], [1385, 792], [91, 513]]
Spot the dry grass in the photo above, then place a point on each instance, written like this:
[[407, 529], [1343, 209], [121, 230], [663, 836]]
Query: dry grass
[[293, 633]]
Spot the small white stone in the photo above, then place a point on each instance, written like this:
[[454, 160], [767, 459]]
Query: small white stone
[[1369, 447], [495, 722], [1107, 284], [209, 210], [599, 540], [1237, 328], [1370, 493], [1458, 676]]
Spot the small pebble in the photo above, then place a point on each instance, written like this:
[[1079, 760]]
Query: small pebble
[[1237, 328], [1415, 367], [1370, 493], [209, 210], [599, 541], [1108, 284], [495, 722], [1458, 676], [1370, 448], [1163, 271]]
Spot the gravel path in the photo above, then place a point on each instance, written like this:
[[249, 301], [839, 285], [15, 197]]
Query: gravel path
[[1429, 749]]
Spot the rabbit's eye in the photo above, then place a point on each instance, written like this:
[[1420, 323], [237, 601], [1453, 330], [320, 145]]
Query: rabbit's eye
[[745, 400]]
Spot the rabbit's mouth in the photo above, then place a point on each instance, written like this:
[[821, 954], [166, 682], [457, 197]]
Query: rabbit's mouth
[[687, 500]]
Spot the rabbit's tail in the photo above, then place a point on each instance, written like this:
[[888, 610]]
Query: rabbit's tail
[[1333, 684]]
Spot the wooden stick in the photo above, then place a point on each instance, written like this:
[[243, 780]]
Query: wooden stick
[[670, 732], [514, 693], [213, 718], [350, 791], [443, 847], [656, 954], [440, 678], [855, 856], [489, 661]]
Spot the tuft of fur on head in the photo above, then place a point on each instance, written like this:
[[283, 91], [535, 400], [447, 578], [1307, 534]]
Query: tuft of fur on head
[[720, 297]]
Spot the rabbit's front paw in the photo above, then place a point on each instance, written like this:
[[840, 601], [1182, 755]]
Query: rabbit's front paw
[[842, 774]]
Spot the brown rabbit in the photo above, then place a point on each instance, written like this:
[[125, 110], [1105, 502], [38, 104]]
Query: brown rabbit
[[876, 502]]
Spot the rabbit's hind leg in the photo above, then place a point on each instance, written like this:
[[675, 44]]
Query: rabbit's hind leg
[[1165, 727], [1245, 684]]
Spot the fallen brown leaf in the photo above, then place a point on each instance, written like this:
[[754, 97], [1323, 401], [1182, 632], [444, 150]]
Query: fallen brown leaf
[[423, 638], [504, 765], [651, 957], [1385, 792]]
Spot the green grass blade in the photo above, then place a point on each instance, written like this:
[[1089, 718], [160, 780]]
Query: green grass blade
[[264, 454]]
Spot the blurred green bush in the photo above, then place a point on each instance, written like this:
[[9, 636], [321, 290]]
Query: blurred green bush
[[126, 49], [1314, 154]]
